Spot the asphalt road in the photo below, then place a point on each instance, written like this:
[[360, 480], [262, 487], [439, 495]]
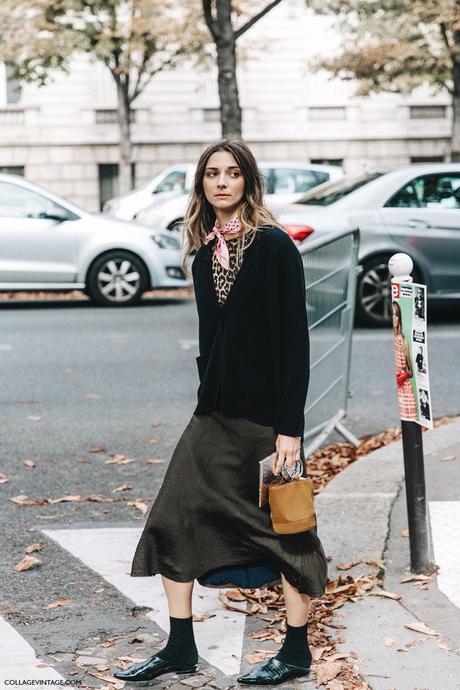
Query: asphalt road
[[101, 377]]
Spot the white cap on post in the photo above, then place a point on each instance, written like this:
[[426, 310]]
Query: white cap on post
[[400, 266]]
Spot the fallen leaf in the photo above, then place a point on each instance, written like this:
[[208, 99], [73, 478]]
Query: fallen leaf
[[155, 461], [58, 602], [326, 671], [376, 561], [383, 593], [119, 460], [37, 546], [154, 439], [405, 532], [30, 463], [447, 458], [199, 618], [19, 499], [139, 505], [122, 487], [421, 628], [27, 563], [258, 656], [93, 396], [347, 566], [417, 578], [34, 418], [110, 679], [389, 642], [97, 449], [3, 478], [335, 685]]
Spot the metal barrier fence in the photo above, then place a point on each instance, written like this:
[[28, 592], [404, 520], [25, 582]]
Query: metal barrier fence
[[330, 265]]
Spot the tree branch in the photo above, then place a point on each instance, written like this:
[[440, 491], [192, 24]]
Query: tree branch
[[445, 36], [255, 18], [210, 21]]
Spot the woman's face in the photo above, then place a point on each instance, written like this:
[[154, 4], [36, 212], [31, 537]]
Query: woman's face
[[395, 318], [223, 182]]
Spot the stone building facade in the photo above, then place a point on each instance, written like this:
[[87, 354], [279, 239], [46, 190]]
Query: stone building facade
[[64, 136]]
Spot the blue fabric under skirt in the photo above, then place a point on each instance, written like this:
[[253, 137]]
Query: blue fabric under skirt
[[258, 574]]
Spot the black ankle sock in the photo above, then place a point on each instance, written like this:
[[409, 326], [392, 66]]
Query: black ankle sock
[[295, 649], [181, 645]]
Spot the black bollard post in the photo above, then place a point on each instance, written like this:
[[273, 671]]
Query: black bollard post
[[415, 496]]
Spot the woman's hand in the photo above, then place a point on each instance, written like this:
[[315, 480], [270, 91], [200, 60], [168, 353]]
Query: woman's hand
[[287, 451]]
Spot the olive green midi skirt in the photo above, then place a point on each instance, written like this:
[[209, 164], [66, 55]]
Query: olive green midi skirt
[[206, 524]]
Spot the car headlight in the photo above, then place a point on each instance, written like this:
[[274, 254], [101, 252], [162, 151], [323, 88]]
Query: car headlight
[[166, 242]]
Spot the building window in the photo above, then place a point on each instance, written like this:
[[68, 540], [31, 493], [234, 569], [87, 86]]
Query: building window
[[327, 113], [108, 181], [13, 169], [109, 116], [211, 115], [13, 85], [427, 159], [327, 161], [427, 112]]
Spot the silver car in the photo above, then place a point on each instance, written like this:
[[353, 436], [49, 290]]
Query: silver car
[[49, 244], [283, 183], [415, 209]]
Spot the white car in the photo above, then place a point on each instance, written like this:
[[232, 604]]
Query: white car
[[49, 244], [161, 203], [171, 182]]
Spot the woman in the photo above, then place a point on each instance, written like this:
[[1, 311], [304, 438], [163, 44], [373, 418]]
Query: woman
[[253, 366], [403, 364]]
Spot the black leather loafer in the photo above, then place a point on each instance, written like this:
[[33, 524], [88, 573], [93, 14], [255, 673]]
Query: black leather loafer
[[272, 672], [151, 668]]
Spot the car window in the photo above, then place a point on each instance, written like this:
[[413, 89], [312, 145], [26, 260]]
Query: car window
[[174, 182], [293, 181], [441, 190], [334, 191], [19, 202]]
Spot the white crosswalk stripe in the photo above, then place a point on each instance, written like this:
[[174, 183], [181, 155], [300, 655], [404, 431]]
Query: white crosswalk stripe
[[109, 552], [445, 518], [17, 658]]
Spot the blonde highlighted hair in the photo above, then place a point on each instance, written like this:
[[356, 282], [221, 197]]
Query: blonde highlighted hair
[[200, 216]]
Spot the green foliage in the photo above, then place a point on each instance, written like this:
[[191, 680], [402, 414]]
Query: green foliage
[[395, 45], [136, 39]]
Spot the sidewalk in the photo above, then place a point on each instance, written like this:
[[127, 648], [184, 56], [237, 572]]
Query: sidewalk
[[361, 516]]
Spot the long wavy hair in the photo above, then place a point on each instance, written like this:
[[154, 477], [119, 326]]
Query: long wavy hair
[[200, 216]]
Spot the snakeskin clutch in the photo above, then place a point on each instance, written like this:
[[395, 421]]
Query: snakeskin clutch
[[266, 476]]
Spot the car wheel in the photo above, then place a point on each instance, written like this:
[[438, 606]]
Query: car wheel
[[117, 279], [373, 292]]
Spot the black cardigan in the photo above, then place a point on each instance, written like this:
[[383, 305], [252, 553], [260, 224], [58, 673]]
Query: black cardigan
[[254, 349]]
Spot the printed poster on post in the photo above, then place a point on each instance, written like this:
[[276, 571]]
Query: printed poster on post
[[411, 353]]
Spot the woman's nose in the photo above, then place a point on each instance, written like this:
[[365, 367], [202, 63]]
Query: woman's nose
[[221, 181]]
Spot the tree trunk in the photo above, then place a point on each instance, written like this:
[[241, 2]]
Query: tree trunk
[[455, 146], [124, 112], [230, 110]]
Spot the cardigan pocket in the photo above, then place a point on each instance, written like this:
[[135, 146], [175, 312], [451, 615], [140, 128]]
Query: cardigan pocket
[[253, 375]]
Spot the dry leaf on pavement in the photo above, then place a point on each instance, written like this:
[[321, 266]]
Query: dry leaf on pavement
[[139, 505], [326, 671], [29, 463], [122, 487], [421, 628], [3, 478], [347, 566], [37, 546], [27, 563], [383, 593], [58, 602]]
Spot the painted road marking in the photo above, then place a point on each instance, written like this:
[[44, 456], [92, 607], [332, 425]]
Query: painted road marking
[[445, 519], [18, 659], [109, 552]]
